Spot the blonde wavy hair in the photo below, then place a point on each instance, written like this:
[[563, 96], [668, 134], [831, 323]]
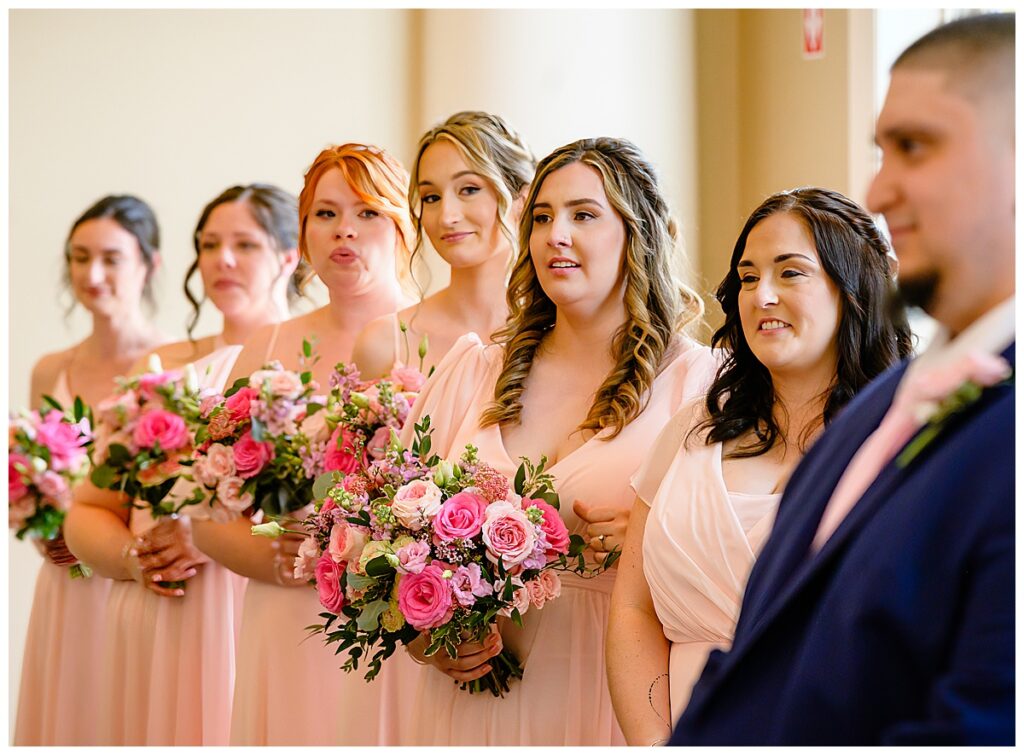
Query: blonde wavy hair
[[492, 149], [378, 179], [658, 305]]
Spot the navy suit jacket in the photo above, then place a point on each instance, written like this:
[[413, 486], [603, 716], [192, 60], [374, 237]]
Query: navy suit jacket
[[900, 630]]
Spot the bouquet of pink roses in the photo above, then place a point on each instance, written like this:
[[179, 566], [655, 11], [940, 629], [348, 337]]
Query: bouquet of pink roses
[[47, 455], [414, 544], [145, 433]]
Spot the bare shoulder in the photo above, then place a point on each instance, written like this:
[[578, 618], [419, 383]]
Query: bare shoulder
[[44, 374], [374, 351]]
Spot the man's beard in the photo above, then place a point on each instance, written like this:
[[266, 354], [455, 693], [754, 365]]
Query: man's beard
[[918, 291]]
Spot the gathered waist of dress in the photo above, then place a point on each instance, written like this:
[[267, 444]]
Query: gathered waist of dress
[[603, 582]]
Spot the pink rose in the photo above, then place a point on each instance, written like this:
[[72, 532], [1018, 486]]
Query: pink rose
[[239, 404], [251, 456], [159, 426], [209, 403], [412, 557], [416, 503], [118, 409], [346, 542], [306, 560], [63, 440], [229, 493], [154, 474], [551, 583], [340, 454], [328, 583], [425, 599], [19, 510], [150, 381], [218, 463], [54, 487], [283, 383], [461, 516], [407, 378], [554, 529], [520, 600], [16, 487], [378, 444], [468, 584], [508, 534]]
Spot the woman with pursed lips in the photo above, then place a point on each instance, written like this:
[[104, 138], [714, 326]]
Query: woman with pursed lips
[[466, 193], [807, 325], [590, 365], [353, 231], [111, 254], [169, 684]]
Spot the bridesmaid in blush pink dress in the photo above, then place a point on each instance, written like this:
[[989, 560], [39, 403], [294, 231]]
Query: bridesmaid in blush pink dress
[[587, 372], [110, 254], [809, 272], [354, 232], [170, 657]]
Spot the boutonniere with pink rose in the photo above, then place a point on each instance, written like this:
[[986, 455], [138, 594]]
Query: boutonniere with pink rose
[[937, 396], [47, 454], [411, 544], [145, 435]]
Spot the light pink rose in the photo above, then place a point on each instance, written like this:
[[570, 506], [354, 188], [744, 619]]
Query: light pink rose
[[416, 503], [339, 456], [239, 403], [118, 409], [54, 487], [425, 599], [315, 427], [251, 456], [16, 487], [407, 378], [468, 584], [306, 560], [284, 383], [159, 426], [378, 444], [551, 583], [63, 440], [346, 542], [19, 510], [460, 516], [508, 534], [412, 557], [229, 493], [209, 403], [328, 583], [554, 529], [154, 474], [218, 463], [150, 381], [520, 600]]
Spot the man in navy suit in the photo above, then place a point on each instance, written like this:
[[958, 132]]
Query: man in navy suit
[[881, 610]]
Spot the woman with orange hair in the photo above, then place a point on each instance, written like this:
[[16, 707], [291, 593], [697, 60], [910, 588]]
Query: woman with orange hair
[[354, 231]]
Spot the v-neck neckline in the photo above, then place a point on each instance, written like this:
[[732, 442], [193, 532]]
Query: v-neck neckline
[[548, 467]]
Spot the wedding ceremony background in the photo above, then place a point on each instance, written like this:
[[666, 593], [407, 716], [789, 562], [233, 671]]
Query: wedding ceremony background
[[176, 105]]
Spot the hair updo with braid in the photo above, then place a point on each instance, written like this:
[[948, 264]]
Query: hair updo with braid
[[873, 331], [658, 306]]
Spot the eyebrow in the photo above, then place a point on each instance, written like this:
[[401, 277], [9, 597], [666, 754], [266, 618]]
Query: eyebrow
[[460, 174], [896, 132], [571, 203], [81, 248], [780, 258]]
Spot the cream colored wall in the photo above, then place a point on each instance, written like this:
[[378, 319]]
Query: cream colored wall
[[772, 120]]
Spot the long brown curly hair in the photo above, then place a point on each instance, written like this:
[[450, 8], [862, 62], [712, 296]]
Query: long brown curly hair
[[658, 306]]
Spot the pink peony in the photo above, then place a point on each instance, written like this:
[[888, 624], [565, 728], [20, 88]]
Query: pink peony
[[229, 493], [328, 583], [283, 383], [425, 599], [346, 542], [378, 444], [554, 529], [306, 560], [16, 487], [461, 516], [63, 440], [340, 454], [407, 378], [468, 584], [412, 557], [159, 426], [508, 534], [238, 405], [251, 456], [416, 503]]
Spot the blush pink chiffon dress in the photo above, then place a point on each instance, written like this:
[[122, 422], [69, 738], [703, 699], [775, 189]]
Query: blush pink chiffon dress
[[563, 697]]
